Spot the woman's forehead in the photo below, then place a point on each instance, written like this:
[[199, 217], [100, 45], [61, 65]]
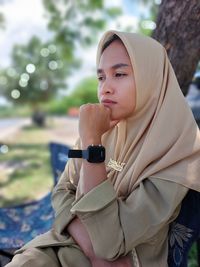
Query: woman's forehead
[[115, 53]]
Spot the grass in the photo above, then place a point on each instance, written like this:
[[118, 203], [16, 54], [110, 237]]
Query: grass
[[26, 174], [25, 170], [15, 111]]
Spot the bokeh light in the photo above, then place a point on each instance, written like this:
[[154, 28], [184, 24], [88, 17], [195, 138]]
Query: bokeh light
[[157, 2], [25, 77], [4, 149], [53, 65], [148, 24], [44, 85], [44, 52], [23, 83], [30, 68], [15, 94]]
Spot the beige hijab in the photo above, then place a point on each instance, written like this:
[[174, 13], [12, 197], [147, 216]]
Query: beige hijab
[[161, 138]]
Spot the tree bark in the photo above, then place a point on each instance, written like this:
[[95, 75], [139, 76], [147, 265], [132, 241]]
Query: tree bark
[[178, 30]]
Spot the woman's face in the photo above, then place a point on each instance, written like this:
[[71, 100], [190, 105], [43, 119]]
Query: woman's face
[[116, 89]]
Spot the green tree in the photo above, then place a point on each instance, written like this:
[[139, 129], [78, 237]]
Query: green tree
[[2, 18], [2, 21], [77, 21], [147, 22], [39, 70], [84, 92], [36, 74]]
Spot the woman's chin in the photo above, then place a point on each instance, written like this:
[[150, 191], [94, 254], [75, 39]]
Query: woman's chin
[[117, 117]]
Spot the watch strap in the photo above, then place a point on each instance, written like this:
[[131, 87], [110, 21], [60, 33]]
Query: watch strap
[[93, 154], [75, 153]]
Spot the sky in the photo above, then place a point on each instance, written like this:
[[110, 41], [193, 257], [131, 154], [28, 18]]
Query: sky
[[25, 18]]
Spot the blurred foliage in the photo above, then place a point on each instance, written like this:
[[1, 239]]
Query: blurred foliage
[[15, 111], [2, 21], [147, 23], [37, 72], [77, 21], [23, 162], [84, 92], [193, 256]]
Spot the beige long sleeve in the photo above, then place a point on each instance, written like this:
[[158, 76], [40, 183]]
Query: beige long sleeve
[[63, 196], [116, 226]]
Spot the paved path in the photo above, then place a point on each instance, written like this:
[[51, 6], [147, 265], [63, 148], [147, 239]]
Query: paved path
[[65, 129], [11, 126]]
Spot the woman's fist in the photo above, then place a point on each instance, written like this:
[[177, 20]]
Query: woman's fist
[[94, 121]]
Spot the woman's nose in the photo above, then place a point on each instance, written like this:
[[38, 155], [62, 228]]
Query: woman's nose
[[107, 87]]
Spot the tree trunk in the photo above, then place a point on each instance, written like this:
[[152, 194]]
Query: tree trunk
[[178, 30]]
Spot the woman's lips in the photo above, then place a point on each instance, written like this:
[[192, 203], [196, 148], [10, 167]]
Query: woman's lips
[[108, 102]]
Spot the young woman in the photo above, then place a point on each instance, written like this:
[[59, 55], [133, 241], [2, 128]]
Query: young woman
[[115, 210]]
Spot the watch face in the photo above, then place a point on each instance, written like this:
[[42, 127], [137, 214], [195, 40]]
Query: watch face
[[96, 154]]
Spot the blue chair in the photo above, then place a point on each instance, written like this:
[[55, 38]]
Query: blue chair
[[59, 157], [185, 231], [19, 224]]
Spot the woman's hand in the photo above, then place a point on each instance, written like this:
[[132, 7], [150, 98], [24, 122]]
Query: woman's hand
[[121, 262], [78, 232], [94, 121]]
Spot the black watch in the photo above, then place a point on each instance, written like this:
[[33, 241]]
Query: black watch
[[93, 154]]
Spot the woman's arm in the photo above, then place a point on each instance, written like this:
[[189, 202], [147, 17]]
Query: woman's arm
[[78, 231], [94, 121], [63, 196], [92, 175], [121, 225]]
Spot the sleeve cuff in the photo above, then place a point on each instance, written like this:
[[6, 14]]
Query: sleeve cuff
[[63, 218], [96, 199]]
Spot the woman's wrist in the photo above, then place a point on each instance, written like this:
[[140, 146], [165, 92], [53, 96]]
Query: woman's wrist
[[90, 141], [78, 232]]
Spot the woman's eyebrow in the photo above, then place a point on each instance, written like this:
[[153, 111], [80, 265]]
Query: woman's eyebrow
[[116, 66]]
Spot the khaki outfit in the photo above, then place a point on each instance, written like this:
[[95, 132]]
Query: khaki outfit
[[138, 222], [152, 159]]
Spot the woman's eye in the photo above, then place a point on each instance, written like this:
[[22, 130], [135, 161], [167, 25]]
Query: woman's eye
[[100, 78], [120, 74]]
